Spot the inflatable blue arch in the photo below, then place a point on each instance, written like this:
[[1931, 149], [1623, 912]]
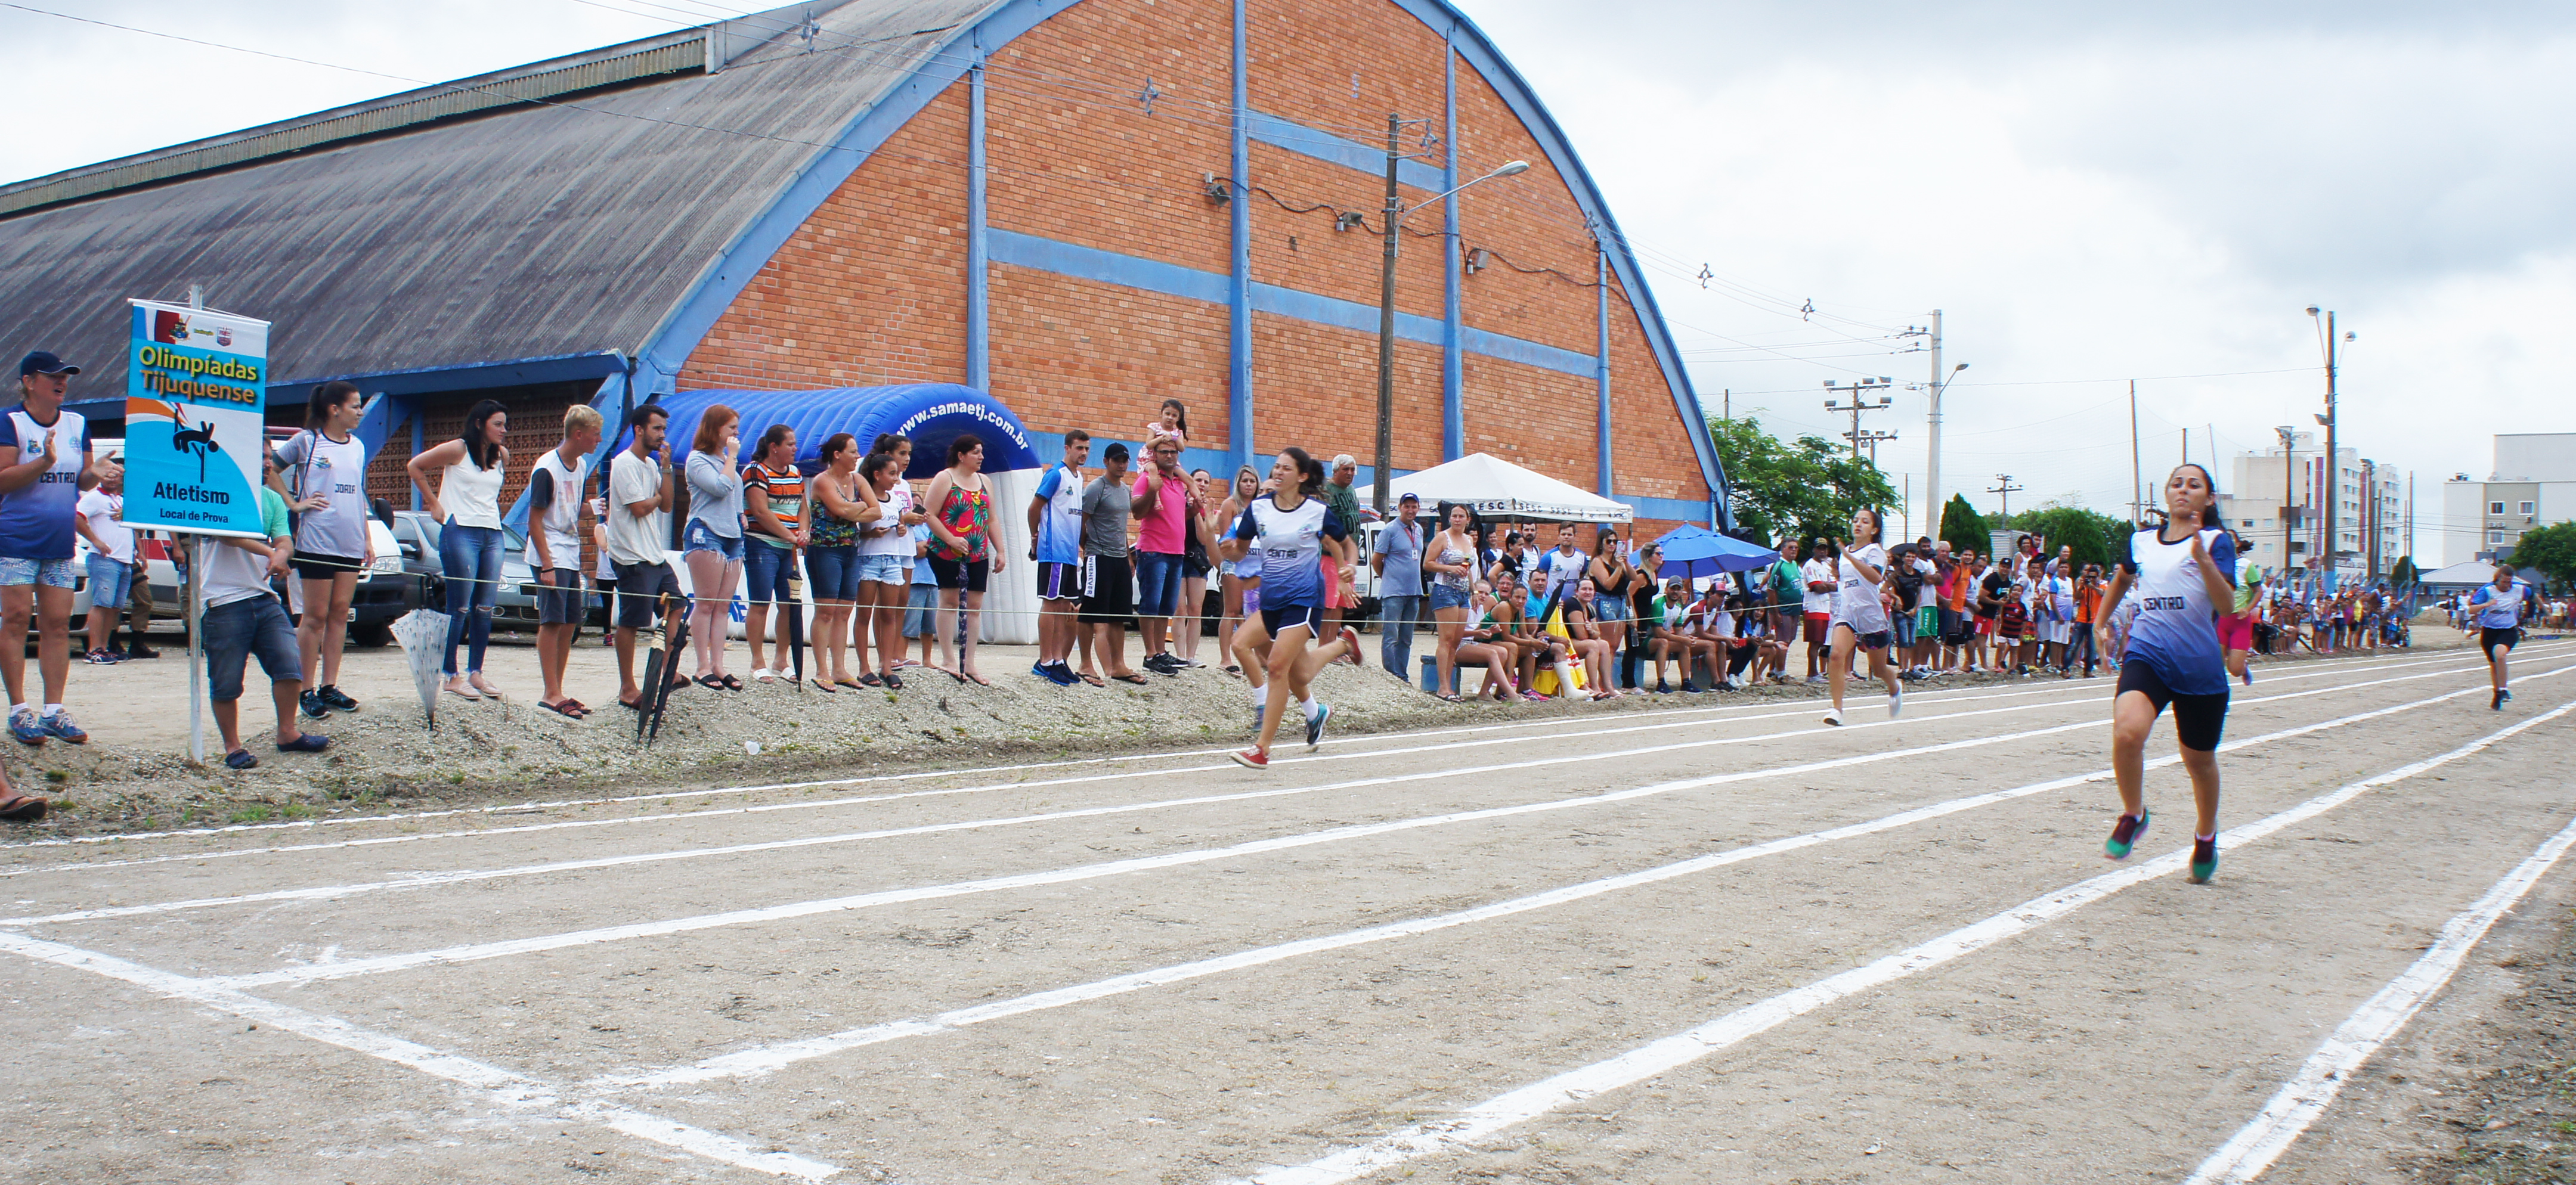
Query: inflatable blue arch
[[931, 415]]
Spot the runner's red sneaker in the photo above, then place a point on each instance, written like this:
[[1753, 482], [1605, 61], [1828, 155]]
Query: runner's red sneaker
[[1252, 759]]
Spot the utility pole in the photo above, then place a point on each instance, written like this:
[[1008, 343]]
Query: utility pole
[[2334, 460], [1932, 430], [2004, 486], [1858, 390], [2137, 466], [2410, 515], [2289, 468], [1386, 323], [2370, 515]]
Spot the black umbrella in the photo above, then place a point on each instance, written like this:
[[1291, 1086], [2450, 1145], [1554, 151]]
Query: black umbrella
[[795, 610]]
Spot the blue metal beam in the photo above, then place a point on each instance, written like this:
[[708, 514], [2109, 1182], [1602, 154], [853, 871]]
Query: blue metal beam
[[1453, 362], [1325, 146], [979, 321], [468, 376]]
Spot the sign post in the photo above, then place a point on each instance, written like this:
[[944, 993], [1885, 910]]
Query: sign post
[[195, 392]]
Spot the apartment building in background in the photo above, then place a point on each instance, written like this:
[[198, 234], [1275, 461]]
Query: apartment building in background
[[2532, 485], [2370, 507]]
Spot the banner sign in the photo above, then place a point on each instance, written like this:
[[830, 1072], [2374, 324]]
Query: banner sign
[[196, 385]]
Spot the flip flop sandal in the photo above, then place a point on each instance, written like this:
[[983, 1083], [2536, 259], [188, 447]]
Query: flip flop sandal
[[870, 680], [631, 705], [952, 674], [852, 684], [827, 687], [581, 710], [21, 809], [731, 683], [709, 682], [1094, 680], [562, 707], [978, 680], [1138, 680], [893, 682]]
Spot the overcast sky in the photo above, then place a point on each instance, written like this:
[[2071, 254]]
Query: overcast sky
[[2091, 192]]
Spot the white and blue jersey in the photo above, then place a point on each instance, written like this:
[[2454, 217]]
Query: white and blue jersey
[[2176, 631], [2499, 610], [1291, 545], [36, 522], [1060, 523]]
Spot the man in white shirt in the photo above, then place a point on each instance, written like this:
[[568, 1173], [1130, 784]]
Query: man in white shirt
[[639, 526], [555, 484], [1822, 576], [96, 518]]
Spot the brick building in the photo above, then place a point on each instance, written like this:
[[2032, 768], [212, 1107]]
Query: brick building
[[1081, 206]]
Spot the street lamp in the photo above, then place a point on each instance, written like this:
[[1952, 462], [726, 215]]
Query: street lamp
[[1395, 215], [1932, 423]]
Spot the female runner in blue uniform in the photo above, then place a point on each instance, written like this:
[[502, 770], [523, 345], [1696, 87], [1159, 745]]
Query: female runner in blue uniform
[[2499, 611], [2173, 658], [1289, 530]]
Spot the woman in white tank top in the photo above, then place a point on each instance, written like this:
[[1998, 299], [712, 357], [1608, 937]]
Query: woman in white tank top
[[468, 504]]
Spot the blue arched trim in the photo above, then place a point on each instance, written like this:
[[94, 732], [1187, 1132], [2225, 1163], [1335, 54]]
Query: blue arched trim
[[668, 347]]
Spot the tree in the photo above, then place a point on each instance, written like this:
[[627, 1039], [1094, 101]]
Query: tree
[[2552, 549], [1963, 528], [1799, 490], [2405, 574], [2097, 538]]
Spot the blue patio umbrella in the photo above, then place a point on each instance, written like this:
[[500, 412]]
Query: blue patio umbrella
[[1695, 552]]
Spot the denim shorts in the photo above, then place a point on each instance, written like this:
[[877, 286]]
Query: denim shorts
[[833, 572], [50, 573], [917, 611], [701, 537], [562, 603], [766, 573], [885, 569], [109, 583], [1158, 583], [1445, 597], [235, 630]]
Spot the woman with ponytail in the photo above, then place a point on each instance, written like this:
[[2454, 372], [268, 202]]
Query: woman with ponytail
[[2185, 572], [467, 504], [1290, 530]]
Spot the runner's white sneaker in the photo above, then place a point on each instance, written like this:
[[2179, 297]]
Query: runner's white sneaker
[[1895, 704], [1834, 716]]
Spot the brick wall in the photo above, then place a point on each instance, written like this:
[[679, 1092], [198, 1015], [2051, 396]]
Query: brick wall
[[872, 289]]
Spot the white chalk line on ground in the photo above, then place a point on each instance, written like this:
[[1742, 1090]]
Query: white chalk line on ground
[[862, 800], [1529, 1102], [499, 1087], [2305, 1097], [1666, 718], [435, 879], [766, 1059], [769, 913]]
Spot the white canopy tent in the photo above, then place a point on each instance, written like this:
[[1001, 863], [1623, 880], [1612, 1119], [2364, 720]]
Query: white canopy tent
[[1495, 487]]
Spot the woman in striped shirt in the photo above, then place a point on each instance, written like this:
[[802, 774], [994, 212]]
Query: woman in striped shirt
[[773, 502]]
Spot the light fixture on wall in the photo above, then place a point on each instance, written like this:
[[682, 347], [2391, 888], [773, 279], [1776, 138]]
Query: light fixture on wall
[[1218, 192], [1478, 259], [1350, 220]]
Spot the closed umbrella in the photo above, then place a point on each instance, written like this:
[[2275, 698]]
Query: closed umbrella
[[423, 634]]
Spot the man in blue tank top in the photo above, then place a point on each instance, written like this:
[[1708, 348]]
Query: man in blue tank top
[[45, 464]]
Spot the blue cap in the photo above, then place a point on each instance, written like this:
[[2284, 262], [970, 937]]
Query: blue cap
[[44, 362]]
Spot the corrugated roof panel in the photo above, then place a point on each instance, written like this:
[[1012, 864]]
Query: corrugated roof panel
[[526, 232]]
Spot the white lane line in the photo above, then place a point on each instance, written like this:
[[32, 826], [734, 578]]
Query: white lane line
[[861, 800], [499, 1087], [1665, 718], [1659, 1057], [765, 1059], [2309, 1092], [770, 913], [463, 876]]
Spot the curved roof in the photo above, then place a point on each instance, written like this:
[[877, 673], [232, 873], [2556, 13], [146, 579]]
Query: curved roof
[[554, 227]]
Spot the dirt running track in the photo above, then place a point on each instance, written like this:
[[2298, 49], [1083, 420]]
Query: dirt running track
[[1721, 943]]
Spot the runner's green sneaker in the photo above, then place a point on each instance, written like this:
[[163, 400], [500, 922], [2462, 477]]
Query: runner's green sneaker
[[2124, 835], [2204, 859]]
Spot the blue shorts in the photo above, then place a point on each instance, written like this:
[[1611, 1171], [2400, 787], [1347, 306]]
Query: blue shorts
[[1309, 616], [1158, 583], [885, 569], [766, 573], [49, 573], [234, 631], [1445, 597], [833, 572], [109, 583], [917, 611], [701, 537]]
